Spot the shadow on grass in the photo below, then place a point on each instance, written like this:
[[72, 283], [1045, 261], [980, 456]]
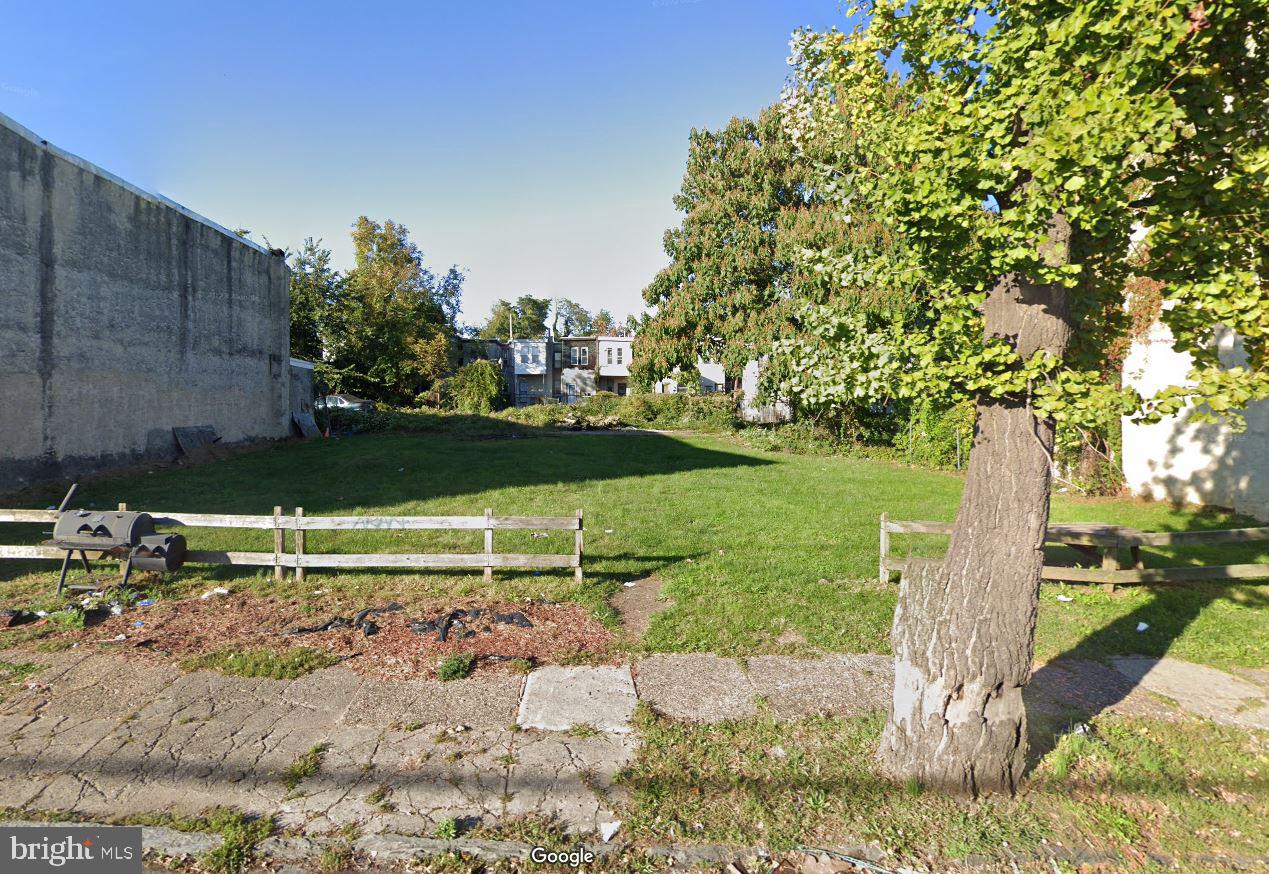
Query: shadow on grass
[[391, 473], [1092, 687]]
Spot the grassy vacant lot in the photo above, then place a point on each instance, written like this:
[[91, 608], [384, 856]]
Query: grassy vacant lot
[[1190, 791], [759, 551]]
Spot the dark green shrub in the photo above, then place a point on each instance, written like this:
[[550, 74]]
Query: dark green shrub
[[456, 667], [601, 403], [936, 435], [479, 388]]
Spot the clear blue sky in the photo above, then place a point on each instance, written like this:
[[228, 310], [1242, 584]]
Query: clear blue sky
[[536, 144]]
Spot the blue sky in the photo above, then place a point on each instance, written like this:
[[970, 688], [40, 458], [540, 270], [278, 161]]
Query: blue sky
[[536, 144]]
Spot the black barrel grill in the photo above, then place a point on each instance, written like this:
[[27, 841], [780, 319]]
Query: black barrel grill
[[122, 534]]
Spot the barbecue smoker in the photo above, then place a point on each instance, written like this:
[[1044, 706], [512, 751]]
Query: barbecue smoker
[[119, 535]]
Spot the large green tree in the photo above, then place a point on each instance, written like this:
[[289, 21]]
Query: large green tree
[[392, 320], [1047, 151], [314, 288], [526, 316], [571, 319], [726, 295]]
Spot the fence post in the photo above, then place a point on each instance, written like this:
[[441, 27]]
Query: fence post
[[279, 544], [885, 549], [299, 545], [123, 508], [577, 569], [488, 544]]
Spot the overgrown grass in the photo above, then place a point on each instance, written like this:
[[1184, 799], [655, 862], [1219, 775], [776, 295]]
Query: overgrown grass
[[756, 549], [13, 673], [1179, 789], [304, 766], [284, 664], [456, 667]]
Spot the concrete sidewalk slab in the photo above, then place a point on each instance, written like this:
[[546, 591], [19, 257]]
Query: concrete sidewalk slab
[[558, 698], [477, 702], [844, 685], [1201, 690], [1080, 689], [699, 687]]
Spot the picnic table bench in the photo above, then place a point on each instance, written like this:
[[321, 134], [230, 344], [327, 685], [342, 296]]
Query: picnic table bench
[[1103, 544]]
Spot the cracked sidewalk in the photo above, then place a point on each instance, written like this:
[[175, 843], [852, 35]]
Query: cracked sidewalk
[[109, 736]]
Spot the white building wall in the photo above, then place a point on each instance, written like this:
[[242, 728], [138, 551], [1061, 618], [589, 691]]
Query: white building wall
[[753, 411], [609, 346], [529, 356], [1184, 461]]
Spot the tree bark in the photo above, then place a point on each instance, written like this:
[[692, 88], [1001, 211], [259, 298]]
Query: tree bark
[[964, 628]]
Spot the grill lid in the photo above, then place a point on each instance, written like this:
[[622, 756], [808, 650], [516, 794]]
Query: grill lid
[[100, 530]]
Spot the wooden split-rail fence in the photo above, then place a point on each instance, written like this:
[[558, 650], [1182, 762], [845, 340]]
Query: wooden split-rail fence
[[1102, 544], [298, 558]]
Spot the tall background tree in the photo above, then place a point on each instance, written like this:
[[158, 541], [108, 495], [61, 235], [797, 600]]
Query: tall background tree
[[314, 287], [391, 323], [726, 295], [572, 319], [527, 316], [1048, 152]]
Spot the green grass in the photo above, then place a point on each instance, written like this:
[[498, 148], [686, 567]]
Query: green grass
[[456, 667], [760, 552], [262, 662], [1180, 789], [12, 673], [304, 766]]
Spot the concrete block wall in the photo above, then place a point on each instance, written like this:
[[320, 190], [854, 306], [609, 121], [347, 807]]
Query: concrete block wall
[[123, 315], [1190, 462]]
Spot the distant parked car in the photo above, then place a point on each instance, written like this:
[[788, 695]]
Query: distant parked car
[[344, 402]]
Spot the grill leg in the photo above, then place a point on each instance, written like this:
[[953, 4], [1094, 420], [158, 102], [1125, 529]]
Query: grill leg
[[61, 580], [88, 569], [127, 570]]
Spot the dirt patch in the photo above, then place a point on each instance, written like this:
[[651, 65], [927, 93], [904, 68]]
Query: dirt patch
[[168, 629], [636, 604]]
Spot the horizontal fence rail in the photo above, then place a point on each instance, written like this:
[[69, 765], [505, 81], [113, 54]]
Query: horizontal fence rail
[[1103, 542], [300, 560]]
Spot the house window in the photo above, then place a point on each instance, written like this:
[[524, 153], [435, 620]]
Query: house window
[[619, 351], [573, 355], [610, 355], [585, 357]]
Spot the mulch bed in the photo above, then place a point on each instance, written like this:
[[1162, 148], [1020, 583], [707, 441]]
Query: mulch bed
[[177, 629]]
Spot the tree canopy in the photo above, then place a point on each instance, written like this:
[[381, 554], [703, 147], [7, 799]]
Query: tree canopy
[[748, 209], [385, 328], [313, 287], [526, 316], [1142, 125]]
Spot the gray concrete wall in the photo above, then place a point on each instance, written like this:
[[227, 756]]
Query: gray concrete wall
[[123, 315]]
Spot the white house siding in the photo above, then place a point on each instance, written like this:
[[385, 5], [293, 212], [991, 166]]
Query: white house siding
[[714, 379], [1185, 461], [753, 411], [577, 382]]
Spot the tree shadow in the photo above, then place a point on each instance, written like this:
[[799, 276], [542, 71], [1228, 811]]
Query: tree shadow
[[1077, 685], [1188, 462], [393, 473]]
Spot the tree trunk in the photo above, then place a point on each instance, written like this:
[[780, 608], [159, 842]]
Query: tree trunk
[[964, 628]]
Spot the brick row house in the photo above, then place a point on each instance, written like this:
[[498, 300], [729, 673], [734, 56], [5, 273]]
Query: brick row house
[[558, 369]]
